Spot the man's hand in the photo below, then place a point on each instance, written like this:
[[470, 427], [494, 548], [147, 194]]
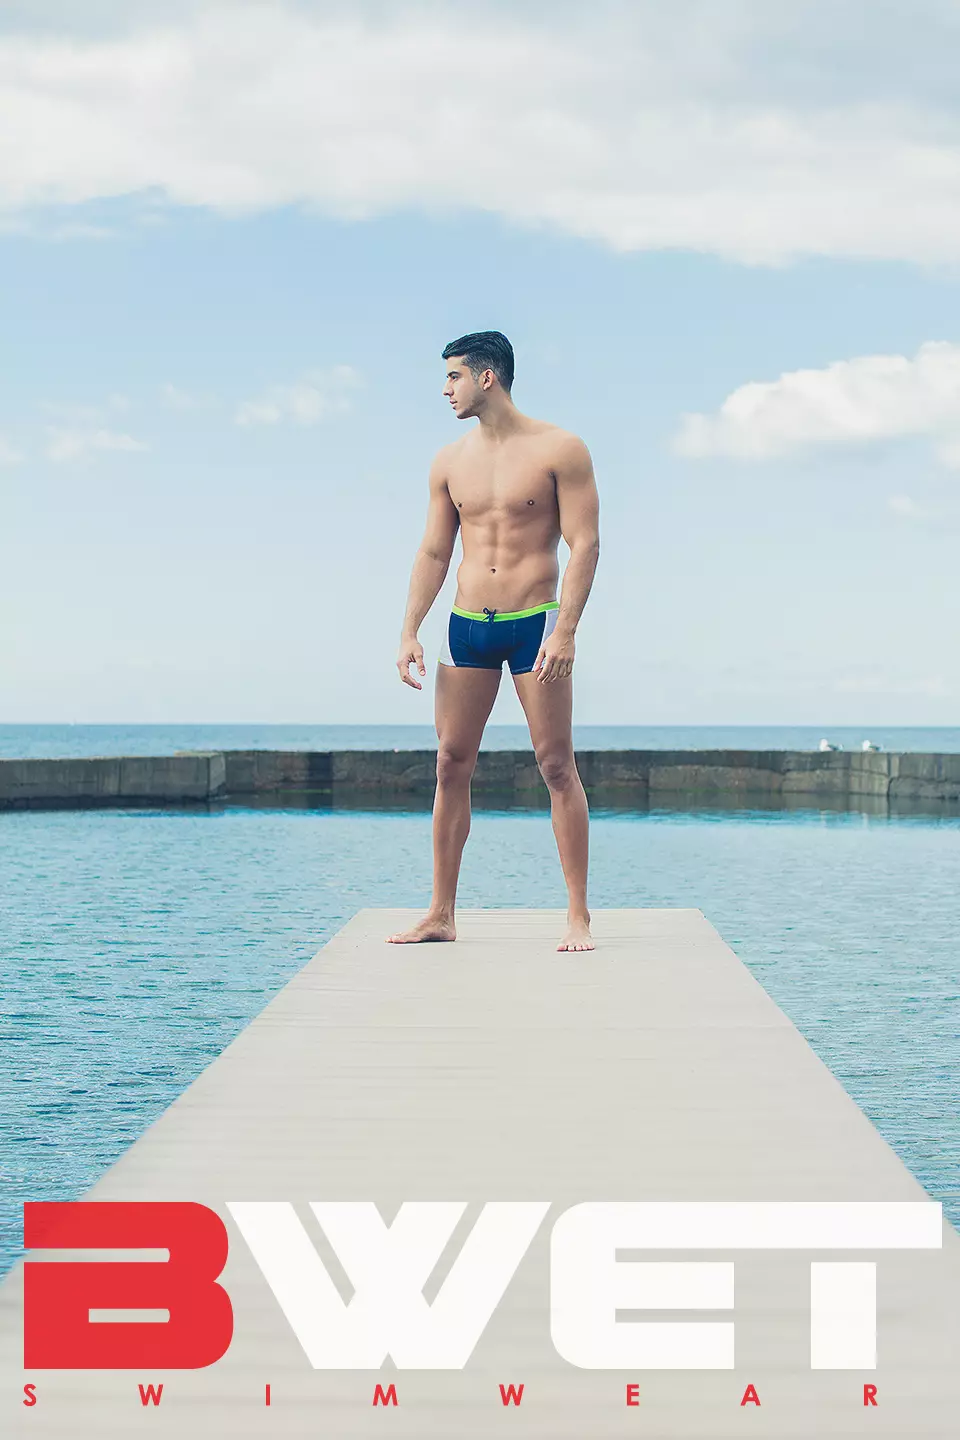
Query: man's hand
[[411, 653], [555, 660]]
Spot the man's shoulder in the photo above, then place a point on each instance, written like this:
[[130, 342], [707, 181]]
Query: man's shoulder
[[562, 444], [554, 434], [449, 453], [444, 459]]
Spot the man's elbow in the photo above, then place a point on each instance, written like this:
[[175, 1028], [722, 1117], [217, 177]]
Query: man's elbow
[[587, 544], [436, 557]]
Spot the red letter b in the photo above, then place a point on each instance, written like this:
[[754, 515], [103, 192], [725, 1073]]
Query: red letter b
[[58, 1295]]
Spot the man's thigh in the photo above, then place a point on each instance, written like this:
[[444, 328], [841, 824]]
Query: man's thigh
[[463, 699], [548, 707]]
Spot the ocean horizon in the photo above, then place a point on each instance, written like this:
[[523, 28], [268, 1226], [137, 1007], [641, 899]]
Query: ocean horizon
[[50, 741]]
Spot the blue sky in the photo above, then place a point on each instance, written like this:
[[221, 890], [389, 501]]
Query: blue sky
[[222, 352]]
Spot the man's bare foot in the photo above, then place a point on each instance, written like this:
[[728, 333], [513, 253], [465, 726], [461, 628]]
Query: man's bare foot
[[578, 935], [433, 927]]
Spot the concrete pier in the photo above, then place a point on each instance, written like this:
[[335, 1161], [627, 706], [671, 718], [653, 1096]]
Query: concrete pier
[[112, 779], [617, 776], [655, 1069]]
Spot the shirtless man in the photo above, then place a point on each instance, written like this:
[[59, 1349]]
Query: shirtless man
[[512, 486]]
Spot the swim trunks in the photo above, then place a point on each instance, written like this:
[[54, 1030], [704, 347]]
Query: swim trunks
[[475, 641]]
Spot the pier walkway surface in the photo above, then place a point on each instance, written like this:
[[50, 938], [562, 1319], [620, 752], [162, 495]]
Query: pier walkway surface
[[654, 1069]]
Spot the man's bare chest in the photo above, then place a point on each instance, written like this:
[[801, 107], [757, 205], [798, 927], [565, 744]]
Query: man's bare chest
[[519, 488]]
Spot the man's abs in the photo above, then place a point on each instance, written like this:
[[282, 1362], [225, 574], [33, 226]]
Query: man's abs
[[509, 526], [507, 587]]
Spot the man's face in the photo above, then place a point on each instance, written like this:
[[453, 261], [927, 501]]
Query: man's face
[[461, 390]]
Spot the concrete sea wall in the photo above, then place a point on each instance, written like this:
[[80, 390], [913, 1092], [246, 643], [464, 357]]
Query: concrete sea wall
[[108, 779], [632, 775]]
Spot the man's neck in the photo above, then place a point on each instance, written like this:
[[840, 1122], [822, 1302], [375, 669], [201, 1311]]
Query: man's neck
[[499, 422]]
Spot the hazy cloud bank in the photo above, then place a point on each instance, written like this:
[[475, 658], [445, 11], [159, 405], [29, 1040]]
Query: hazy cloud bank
[[747, 130]]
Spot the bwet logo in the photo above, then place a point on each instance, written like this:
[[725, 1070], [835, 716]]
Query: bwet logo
[[70, 1319]]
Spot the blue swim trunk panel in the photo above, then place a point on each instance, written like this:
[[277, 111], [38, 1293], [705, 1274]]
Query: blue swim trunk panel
[[486, 644]]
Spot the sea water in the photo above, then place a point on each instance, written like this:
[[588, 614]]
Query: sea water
[[135, 943], [47, 741]]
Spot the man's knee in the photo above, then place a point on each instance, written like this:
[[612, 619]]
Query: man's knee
[[558, 768], [455, 763]]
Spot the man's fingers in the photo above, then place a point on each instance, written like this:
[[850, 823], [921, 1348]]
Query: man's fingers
[[403, 669], [552, 667]]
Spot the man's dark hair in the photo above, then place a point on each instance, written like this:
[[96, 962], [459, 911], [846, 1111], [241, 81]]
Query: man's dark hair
[[485, 350]]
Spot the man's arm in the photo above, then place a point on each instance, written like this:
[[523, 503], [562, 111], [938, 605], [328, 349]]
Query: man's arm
[[579, 506], [430, 567]]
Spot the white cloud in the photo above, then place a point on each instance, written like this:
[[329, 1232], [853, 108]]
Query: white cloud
[[749, 130], [870, 398], [948, 451], [307, 401], [8, 454], [66, 445], [90, 415], [52, 230], [178, 399], [904, 505]]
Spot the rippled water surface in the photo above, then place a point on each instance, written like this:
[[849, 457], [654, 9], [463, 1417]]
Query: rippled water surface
[[134, 944]]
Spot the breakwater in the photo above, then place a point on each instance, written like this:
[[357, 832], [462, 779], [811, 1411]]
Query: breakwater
[[638, 776]]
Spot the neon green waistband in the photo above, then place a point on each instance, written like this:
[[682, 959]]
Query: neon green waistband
[[508, 614]]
